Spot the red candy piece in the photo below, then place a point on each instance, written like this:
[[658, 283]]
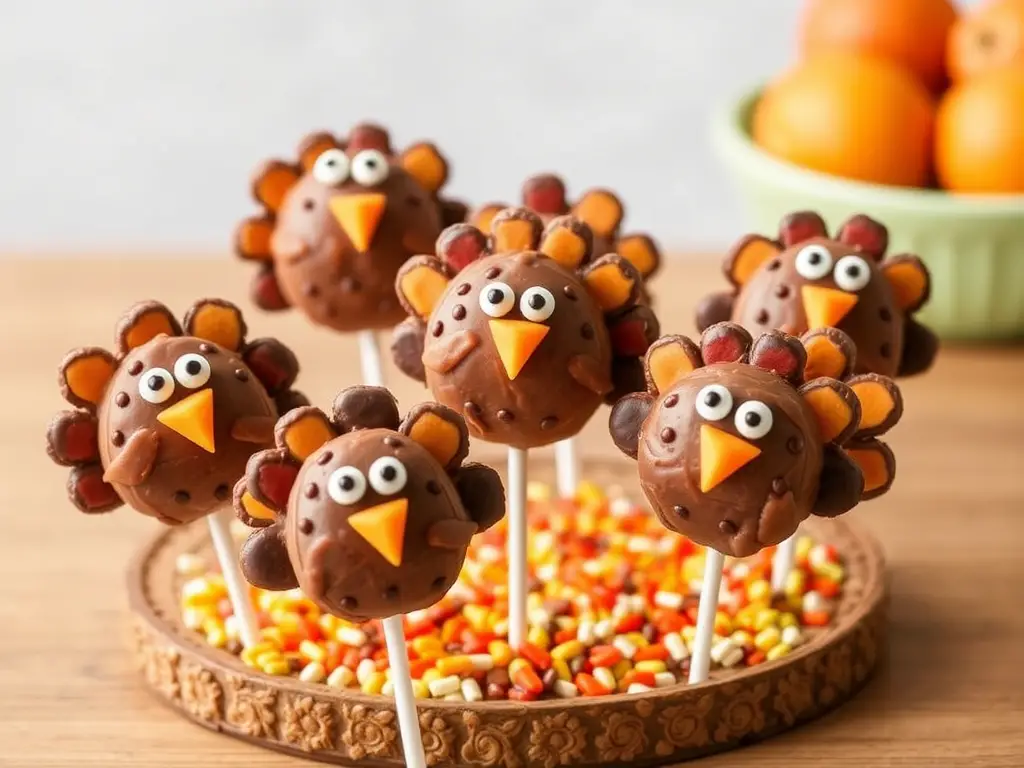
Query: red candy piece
[[369, 137], [266, 293], [276, 481], [80, 441], [461, 245], [800, 226], [261, 362], [866, 234], [545, 195], [629, 338], [92, 492], [724, 343]]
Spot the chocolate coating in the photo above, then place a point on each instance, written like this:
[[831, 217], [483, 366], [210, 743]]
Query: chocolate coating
[[181, 482], [764, 501], [562, 383]]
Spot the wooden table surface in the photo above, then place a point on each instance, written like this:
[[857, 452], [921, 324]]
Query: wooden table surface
[[952, 693]]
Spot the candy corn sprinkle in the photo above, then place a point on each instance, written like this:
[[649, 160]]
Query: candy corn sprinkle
[[612, 608]]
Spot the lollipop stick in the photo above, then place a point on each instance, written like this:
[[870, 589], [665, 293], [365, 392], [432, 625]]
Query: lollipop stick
[[516, 546], [782, 563], [369, 357], [567, 467], [405, 704], [238, 588], [700, 662]]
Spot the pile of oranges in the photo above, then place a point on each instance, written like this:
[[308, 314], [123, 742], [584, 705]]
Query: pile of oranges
[[905, 93]]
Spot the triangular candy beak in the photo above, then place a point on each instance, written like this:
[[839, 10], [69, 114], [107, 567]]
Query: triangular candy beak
[[192, 418], [516, 341], [722, 454], [826, 307], [359, 216], [383, 527]]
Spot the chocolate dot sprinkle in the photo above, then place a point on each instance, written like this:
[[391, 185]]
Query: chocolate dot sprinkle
[[222, 492], [208, 349], [668, 435], [121, 399], [433, 487], [349, 284], [392, 442], [587, 331], [458, 312], [779, 486], [241, 374], [182, 497], [795, 444], [506, 415], [728, 527], [135, 368], [570, 293], [773, 265], [305, 526], [548, 422], [309, 204], [117, 439], [324, 457], [391, 593], [885, 350], [885, 314], [348, 603], [683, 512], [311, 290], [439, 582], [762, 317], [438, 329], [463, 289], [311, 491], [671, 401], [492, 272], [782, 291]]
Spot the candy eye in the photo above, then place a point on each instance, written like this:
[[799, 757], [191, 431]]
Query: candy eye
[[346, 485], [369, 167], [753, 419], [331, 167], [192, 371], [714, 402], [388, 475], [852, 273], [537, 304], [497, 299], [156, 385], [814, 262]]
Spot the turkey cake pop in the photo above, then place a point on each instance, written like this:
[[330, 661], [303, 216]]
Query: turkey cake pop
[[521, 331], [338, 223], [600, 209], [805, 280], [735, 448], [369, 514], [167, 422]]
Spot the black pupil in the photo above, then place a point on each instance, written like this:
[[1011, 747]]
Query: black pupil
[[537, 301], [752, 419], [371, 163], [853, 270], [389, 473], [193, 367], [156, 383], [711, 399], [332, 162], [814, 258], [347, 483], [495, 295]]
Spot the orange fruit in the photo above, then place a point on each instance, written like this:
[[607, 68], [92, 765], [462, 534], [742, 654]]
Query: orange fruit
[[979, 134], [909, 32], [988, 37], [854, 116]]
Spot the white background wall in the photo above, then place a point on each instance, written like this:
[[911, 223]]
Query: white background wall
[[132, 126]]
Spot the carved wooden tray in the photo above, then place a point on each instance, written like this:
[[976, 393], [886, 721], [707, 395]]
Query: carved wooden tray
[[662, 727]]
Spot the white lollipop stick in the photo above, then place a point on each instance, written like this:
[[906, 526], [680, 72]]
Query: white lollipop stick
[[782, 563], [516, 546], [567, 467], [369, 357], [405, 702], [700, 661], [238, 587]]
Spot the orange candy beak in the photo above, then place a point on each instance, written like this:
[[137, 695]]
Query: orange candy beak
[[826, 307], [516, 341], [383, 527], [359, 217], [192, 418], [722, 454]]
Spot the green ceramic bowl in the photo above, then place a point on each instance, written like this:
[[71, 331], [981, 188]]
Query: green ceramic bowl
[[973, 245]]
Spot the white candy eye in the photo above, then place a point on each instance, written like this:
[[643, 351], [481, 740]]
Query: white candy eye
[[388, 475], [497, 299], [346, 485], [369, 167], [814, 262], [714, 402], [331, 167], [192, 371], [537, 304], [156, 385], [753, 419], [852, 273]]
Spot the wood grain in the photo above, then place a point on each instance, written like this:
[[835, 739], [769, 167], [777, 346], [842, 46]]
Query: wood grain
[[952, 693]]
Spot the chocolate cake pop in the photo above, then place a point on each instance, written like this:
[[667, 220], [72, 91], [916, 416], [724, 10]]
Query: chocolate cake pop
[[338, 223], [735, 447], [167, 422], [520, 331], [806, 280], [371, 516], [600, 209]]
